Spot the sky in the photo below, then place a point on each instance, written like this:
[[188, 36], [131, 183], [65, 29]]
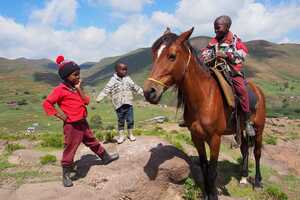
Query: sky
[[88, 30]]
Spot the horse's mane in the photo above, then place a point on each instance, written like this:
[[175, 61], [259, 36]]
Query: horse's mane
[[167, 39]]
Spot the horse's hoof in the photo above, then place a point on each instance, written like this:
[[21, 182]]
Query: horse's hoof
[[213, 197], [244, 181], [258, 185]]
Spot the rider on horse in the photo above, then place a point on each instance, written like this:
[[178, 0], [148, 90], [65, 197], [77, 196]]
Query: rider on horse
[[227, 46]]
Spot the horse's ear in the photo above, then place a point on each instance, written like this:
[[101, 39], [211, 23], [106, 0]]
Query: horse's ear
[[185, 36], [168, 30]]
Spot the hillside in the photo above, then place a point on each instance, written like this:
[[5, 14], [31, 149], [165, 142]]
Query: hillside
[[275, 67]]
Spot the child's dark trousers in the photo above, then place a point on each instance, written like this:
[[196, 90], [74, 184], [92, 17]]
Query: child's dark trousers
[[125, 113]]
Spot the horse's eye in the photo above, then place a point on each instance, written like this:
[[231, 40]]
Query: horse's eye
[[172, 56]]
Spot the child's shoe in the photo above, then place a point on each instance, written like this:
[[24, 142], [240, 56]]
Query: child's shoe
[[67, 181], [121, 138], [130, 135], [108, 158]]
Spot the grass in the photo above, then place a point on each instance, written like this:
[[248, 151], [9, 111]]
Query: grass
[[9, 148], [270, 139], [275, 193], [48, 159], [191, 190], [21, 176]]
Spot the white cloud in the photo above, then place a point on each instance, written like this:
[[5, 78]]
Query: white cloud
[[62, 12], [41, 39], [251, 20], [41, 42], [123, 5]]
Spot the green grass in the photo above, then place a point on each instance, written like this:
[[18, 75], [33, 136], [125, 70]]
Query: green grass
[[191, 190], [270, 139], [21, 176], [275, 193], [13, 147], [48, 159]]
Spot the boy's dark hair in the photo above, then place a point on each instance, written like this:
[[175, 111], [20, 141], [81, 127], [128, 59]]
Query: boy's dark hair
[[226, 19], [119, 64]]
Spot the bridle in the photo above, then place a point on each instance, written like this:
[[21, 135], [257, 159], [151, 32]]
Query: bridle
[[184, 71]]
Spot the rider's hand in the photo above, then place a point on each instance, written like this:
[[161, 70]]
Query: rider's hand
[[221, 54]]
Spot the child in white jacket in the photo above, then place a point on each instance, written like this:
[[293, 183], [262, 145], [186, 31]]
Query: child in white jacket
[[121, 87]]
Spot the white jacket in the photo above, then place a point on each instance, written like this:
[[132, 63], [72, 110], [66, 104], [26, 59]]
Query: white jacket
[[121, 91]]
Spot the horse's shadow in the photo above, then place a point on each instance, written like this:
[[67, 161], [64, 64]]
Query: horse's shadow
[[83, 165], [161, 153]]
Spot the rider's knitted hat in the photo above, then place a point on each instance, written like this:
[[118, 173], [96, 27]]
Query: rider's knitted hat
[[65, 68]]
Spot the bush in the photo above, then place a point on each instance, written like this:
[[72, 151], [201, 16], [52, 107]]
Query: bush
[[109, 127], [13, 147], [52, 140], [47, 159], [109, 136], [96, 122], [276, 193], [22, 102], [191, 190], [270, 139]]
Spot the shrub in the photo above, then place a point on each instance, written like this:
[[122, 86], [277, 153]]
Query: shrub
[[109, 136], [13, 147], [96, 122], [191, 190], [110, 127], [22, 102], [48, 159], [270, 139], [52, 140], [276, 193]]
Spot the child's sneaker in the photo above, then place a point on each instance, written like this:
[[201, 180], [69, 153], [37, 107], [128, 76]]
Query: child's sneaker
[[121, 138], [131, 136]]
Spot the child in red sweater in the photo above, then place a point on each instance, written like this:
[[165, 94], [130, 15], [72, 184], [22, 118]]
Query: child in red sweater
[[72, 100]]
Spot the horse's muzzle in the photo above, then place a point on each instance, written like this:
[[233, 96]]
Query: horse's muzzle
[[151, 95]]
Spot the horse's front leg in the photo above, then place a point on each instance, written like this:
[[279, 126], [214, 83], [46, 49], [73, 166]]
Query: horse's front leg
[[245, 156], [214, 145], [200, 146]]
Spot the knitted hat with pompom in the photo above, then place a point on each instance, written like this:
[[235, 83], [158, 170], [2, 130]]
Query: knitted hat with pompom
[[65, 68]]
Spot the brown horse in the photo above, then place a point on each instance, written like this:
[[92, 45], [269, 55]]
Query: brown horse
[[205, 110]]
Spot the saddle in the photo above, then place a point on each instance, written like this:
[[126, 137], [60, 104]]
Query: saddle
[[223, 75]]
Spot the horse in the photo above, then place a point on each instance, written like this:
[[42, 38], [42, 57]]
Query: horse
[[206, 113]]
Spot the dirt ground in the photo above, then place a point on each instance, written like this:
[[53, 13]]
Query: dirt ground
[[147, 169]]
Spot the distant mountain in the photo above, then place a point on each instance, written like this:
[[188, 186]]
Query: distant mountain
[[267, 63]]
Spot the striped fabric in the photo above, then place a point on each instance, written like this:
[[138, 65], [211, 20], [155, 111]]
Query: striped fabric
[[121, 91]]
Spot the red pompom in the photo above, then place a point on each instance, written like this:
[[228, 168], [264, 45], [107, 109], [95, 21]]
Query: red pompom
[[60, 59]]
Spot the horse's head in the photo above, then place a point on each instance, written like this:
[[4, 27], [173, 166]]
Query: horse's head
[[171, 56]]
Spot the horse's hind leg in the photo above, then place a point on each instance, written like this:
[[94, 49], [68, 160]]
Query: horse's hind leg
[[257, 155], [245, 156]]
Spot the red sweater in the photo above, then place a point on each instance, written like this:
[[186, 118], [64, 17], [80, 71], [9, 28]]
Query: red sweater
[[69, 101], [232, 45]]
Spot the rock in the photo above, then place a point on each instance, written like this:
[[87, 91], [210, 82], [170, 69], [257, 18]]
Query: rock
[[147, 169]]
